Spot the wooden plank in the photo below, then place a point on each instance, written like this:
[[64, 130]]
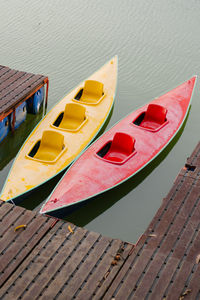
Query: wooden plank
[[35, 266], [181, 276], [114, 272], [3, 71], [16, 276], [163, 279], [65, 275], [11, 235], [183, 242], [4, 210], [84, 269], [143, 288], [9, 86], [23, 243], [161, 260], [129, 282], [193, 284], [62, 249], [6, 77], [105, 272], [26, 250], [10, 218], [21, 239], [189, 261], [121, 276]]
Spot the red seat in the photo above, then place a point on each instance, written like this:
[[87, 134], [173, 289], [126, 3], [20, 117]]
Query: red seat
[[154, 117], [121, 147]]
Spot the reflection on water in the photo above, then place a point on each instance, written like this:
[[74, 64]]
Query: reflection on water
[[157, 43]]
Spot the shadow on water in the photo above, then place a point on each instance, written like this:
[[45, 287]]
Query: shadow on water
[[96, 206], [13, 142], [103, 128]]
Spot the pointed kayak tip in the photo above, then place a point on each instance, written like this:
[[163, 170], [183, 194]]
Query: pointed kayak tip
[[114, 59], [41, 211], [191, 82], [193, 79]]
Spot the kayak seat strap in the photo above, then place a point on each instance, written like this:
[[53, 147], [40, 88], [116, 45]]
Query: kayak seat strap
[[121, 147], [154, 117], [92, 92], [74, 116], [51, 145]]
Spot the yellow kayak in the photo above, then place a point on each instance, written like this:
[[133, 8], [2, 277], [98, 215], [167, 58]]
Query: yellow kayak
[[63, 133]]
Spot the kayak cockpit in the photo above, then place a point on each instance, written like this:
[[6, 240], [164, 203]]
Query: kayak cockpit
[[119, 150], [153, 119], [72, 119], [49, 148], [92, 93]]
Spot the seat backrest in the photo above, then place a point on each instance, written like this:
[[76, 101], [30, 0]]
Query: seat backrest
[[122, 142], [156, 113], [93, 87], [75, 111], [52, 139]]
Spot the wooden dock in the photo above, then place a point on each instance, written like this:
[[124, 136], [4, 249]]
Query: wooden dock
[[16, 87], [52, 259]]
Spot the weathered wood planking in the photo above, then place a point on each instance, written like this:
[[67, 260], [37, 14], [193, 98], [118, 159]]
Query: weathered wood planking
[[16, 86], [50, 260], [16, 245], [164, 263]]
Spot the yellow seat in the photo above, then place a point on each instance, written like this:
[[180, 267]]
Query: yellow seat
[[92, 92], [51, 145], [74, 117]]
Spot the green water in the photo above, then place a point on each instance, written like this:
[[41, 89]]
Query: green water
[[158, 44]]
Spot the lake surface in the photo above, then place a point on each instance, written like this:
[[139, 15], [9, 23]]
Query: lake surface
[[158, 45]]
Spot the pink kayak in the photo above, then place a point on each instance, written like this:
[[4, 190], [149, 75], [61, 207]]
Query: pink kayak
[[122, 151]]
